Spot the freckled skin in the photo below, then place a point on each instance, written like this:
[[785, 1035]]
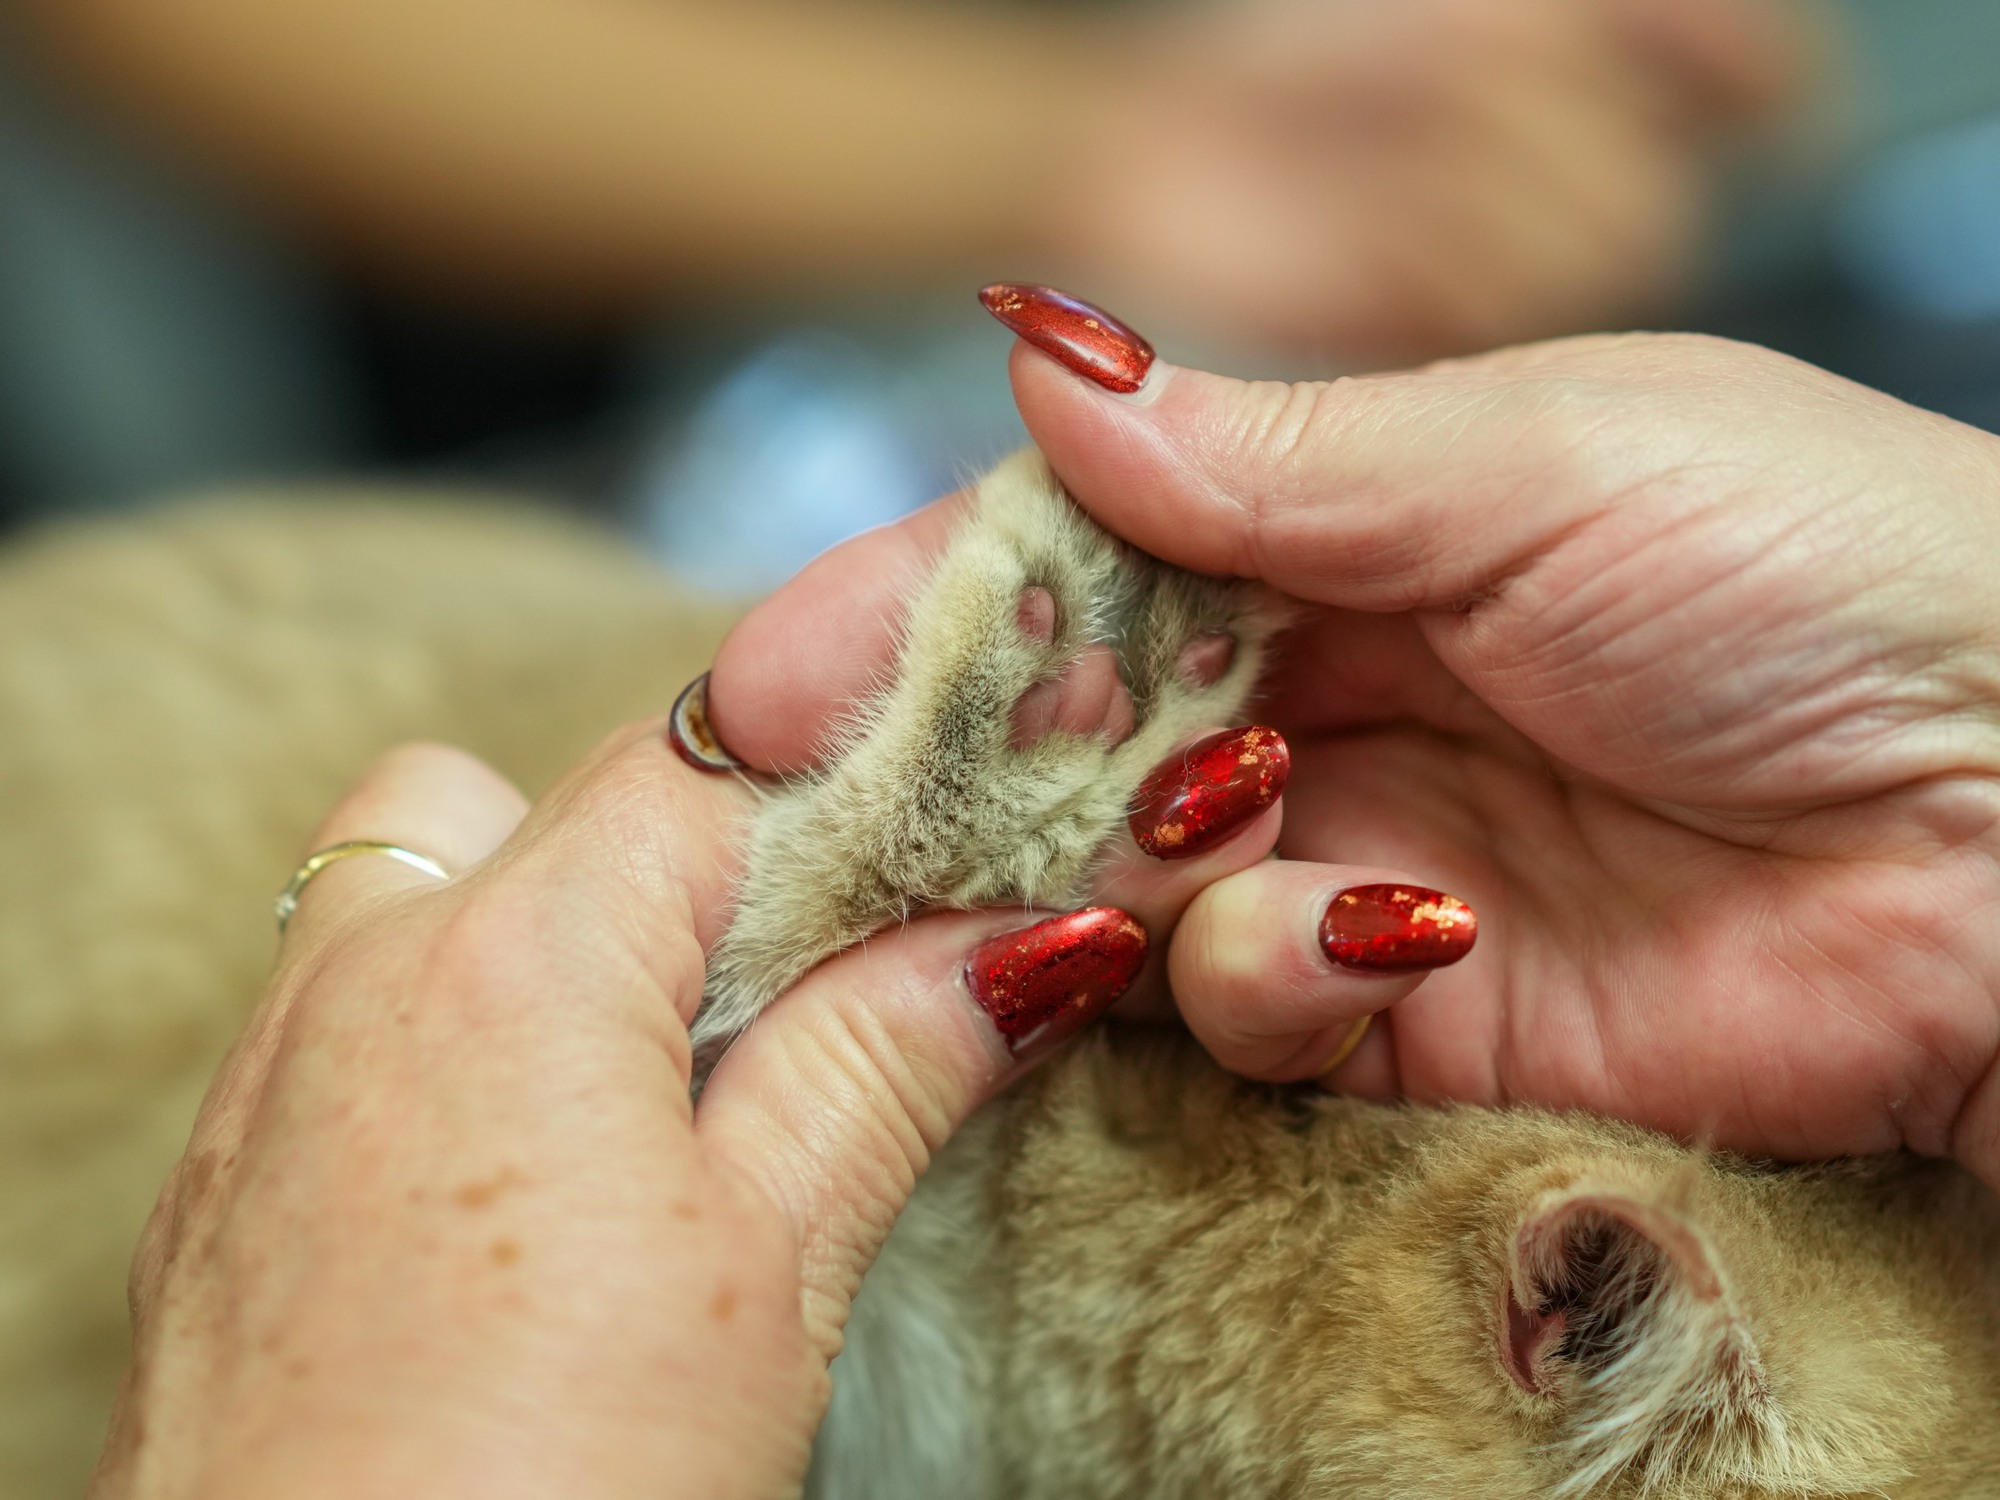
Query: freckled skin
[[482, 1194]]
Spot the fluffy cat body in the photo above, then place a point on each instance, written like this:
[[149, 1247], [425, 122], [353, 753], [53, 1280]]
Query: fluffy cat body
[[1132, 1276]]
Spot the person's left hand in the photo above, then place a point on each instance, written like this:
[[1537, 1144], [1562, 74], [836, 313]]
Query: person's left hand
[[449, 1224]]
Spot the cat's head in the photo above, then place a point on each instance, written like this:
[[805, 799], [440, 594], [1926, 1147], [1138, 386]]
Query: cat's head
[[1618, 1316]]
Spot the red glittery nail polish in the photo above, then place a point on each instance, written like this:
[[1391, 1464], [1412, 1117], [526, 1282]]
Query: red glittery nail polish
[[1394, 929], [1200, 797], [1086, 339], [692, 736], [1044, 983]]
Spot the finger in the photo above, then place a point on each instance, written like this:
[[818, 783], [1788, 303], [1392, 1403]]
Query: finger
[[642, 847], [836, 1099], [1274, 966], [1209, 809], [823, 642], [436, 801], [1390, 492]]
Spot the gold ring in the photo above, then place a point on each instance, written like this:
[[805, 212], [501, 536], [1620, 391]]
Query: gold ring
[[288, 898], [1346, 1048]]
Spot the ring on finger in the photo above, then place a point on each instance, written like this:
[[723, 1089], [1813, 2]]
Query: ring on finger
[[693, 736], [288, 898], [1346, 1049]]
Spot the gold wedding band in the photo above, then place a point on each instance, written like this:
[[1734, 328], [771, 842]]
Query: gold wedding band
[[1346, 1048], [288, 898]]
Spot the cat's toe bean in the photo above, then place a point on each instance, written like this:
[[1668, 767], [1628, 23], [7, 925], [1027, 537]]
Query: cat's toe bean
[[1205, 661], [1087, 698], [1035, 614]]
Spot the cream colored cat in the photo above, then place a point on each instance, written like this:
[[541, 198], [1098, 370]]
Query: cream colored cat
[[1132, 1277]]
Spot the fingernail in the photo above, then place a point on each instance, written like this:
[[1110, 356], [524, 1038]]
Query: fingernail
[[1044, 983], [1086, 339], [1393, 929], [1200, 797], [690, 733]]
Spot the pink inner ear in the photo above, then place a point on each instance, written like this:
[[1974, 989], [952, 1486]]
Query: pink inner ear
[[1551, 1267], [1532, 1335]]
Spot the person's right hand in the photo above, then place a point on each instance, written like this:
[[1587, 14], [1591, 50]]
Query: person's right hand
[[1392, 179], [1678, 660]]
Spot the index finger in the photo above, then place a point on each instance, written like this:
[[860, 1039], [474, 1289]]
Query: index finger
[[635, 832], [796, 663]]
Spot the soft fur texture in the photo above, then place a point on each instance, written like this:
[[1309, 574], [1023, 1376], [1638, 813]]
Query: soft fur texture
[[1132, 1277], [1209, 1288]]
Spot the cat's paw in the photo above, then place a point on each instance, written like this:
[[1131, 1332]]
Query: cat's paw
[[1044, 670]]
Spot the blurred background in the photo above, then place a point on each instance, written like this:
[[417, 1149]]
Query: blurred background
[[707, 270]]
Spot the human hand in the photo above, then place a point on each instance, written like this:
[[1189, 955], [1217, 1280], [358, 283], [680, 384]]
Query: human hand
[[448, 1223], [1677, 659], [1388, 179]]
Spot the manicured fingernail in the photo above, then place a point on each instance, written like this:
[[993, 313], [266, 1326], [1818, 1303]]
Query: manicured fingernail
[[690, 733], [1393, 929], [1086, 339], [1198, 798], [1044, 983]]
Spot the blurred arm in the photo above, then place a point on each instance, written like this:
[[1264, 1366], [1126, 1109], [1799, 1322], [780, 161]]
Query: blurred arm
[[602, 153]]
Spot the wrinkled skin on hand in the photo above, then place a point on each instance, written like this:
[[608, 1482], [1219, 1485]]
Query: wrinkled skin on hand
[[1678, 660]]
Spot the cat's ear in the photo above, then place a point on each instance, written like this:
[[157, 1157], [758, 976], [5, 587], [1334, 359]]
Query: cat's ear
[[1617, 1309]]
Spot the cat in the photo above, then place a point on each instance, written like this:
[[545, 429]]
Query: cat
[[1130, 1276]]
